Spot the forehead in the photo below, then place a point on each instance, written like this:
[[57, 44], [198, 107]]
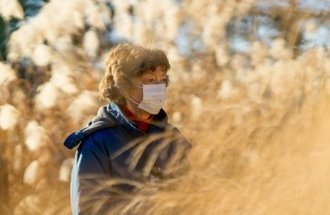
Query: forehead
[[158, 72]]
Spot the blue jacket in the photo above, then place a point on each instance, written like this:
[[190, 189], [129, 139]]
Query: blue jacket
[[114, 158]]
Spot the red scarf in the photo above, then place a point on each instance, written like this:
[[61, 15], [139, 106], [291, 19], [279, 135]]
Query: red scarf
[[140, 124]]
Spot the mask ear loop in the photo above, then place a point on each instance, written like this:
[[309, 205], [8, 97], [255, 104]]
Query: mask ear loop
[[126, 94], [132, 101], [129, 98], [140, 87]]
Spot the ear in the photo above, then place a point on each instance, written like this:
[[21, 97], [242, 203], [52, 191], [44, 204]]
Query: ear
[[124, 93]]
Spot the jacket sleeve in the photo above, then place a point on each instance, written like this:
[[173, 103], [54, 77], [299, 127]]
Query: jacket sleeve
[[91, 169], [177, 156], [181, 151], [93, 158]]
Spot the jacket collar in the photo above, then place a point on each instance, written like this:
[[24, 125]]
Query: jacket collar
[[159, 120], [109, 116]]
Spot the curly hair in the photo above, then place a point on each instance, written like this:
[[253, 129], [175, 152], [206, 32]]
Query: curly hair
[[124, 62]]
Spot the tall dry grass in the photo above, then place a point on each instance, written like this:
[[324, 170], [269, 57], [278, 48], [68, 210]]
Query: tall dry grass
[[265, 156], [257, 120]]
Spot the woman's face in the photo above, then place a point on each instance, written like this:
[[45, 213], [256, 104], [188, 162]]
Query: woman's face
[[136, 93]]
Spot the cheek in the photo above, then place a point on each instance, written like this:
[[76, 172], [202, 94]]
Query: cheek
[[137, 94]]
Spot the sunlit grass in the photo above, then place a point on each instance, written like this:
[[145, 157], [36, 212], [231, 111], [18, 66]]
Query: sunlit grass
[[258, 121]]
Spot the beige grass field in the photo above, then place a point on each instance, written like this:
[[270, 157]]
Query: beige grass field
[[258, 121]]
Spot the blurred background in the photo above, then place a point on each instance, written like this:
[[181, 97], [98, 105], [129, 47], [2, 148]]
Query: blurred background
[[249, 89]]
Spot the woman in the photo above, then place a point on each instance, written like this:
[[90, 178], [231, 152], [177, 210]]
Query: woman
[[129, 142]]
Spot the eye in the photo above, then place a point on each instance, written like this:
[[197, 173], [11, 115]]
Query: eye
[[151, 80], [164, 79]]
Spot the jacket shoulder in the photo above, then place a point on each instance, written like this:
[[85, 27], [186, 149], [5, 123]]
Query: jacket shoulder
[[99, 139], [77, 137]]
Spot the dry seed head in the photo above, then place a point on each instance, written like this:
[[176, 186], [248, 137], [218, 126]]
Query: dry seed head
[[35, 136], [196, 106], [279, 50], [64, 83], [48, 96], [42, 55], [91, 43], [9, 117], [65, 170], [31, 173], [7, 74], [83, 105], [11, 8], [227, 90]]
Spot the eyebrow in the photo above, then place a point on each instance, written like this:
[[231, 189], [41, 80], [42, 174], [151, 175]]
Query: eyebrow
[[164, 73]]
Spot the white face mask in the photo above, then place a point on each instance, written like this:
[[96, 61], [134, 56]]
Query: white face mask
[[153, 98]]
